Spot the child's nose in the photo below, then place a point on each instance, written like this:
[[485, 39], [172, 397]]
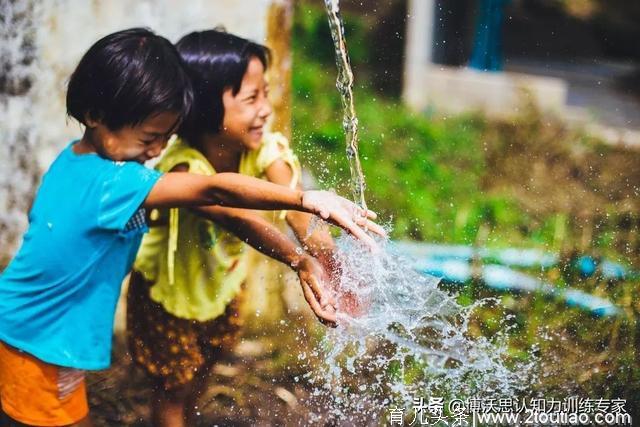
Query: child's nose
[[155, 150], [266, 109]]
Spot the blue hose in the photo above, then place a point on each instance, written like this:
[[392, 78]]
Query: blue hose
[[453, 264]]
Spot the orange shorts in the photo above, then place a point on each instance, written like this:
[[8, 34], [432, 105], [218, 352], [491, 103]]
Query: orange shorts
[[37, 393]]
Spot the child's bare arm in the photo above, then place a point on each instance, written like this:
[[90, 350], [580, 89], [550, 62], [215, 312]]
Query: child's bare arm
[[183, 189], [266, 238], [319, 242], [254, 230], [177, 189]]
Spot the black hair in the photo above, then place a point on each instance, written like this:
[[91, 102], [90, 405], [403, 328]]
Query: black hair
[[215, 61], [126, 77]]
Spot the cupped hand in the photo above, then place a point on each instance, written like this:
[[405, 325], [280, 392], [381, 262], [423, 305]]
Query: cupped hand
[[315, 286]]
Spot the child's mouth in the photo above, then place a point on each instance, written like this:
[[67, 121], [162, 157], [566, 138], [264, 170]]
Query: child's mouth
[[256, 130]]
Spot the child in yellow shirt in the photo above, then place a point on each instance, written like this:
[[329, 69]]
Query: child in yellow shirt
[[188, 276]]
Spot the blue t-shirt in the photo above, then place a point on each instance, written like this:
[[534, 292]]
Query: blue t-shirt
[[58, 295]]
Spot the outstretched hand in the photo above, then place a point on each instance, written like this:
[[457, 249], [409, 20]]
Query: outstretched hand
[[343, 213], [315, 286]]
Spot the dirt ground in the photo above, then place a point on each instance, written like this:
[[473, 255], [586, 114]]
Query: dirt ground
[[259, 382], [250, 386], [550, 170]]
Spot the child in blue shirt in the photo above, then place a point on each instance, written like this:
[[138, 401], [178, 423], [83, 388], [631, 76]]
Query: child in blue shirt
[[58, 295]]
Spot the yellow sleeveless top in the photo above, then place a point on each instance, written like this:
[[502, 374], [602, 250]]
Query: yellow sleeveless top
[[197, 267]]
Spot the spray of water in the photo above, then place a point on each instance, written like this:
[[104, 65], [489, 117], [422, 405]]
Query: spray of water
[[401, 337]]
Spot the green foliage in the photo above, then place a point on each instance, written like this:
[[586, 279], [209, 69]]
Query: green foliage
[[416, 169], [424, 175]]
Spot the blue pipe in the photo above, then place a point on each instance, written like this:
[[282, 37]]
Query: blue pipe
[[525, 258], [453, 264]]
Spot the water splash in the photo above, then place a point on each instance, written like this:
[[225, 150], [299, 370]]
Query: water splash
[[344, 83], [401, 337]]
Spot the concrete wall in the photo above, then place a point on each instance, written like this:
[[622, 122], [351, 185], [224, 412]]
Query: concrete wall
[[429, 86], [453, 90]]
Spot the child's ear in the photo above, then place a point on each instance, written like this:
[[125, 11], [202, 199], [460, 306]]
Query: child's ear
[[90, 121]]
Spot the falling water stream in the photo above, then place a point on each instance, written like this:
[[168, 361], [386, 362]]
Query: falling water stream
[[344, 83], [400, 337]]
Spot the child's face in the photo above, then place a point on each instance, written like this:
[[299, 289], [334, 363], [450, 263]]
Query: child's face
[[134, 143], [246, 113]]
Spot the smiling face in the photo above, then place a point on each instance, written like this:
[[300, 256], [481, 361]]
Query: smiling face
[[137, 143], [246, 113]]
